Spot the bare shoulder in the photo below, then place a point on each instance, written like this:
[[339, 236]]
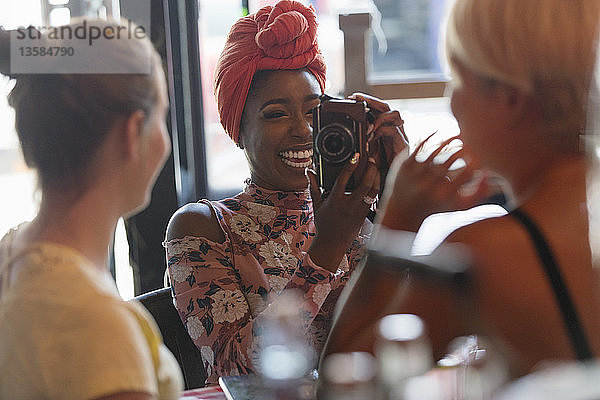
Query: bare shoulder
[[481, 232], [492, 240], [195, 219]]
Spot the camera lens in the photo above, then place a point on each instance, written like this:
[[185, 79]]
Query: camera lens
[[335, 143]]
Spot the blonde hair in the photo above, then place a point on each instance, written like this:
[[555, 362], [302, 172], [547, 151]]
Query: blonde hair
[[545, 48]]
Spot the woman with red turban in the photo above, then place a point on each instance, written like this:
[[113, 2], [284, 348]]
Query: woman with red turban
[[228, 260]]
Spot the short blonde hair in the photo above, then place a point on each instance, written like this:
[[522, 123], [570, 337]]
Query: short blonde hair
[[545, 48]]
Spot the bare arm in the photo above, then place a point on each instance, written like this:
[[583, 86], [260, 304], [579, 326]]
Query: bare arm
[[364, 300], [340, 216], [378, 291], [205, 277]]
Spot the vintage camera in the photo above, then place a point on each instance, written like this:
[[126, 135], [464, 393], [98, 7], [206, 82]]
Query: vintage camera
[[339, 131]]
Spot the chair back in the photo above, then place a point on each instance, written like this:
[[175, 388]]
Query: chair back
[[160, 304]]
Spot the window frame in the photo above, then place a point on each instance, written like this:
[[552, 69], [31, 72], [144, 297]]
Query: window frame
[[356, 28]]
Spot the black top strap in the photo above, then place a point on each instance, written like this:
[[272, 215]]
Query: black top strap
[[569, 313]]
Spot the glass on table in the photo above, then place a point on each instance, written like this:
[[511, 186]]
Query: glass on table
[[403, 350], [349, 376], [472, 369], [286, 359]]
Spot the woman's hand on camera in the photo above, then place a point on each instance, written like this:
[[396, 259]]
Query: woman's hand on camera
[[339, 216], [417, 189], [387, 138]]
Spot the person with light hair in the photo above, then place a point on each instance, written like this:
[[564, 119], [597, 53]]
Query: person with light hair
[[521, 74], [97, 142]]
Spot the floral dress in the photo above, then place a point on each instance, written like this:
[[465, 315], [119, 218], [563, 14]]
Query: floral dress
[[221, 289]]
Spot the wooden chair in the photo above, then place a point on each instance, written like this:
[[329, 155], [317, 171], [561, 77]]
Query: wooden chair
[[160, 304]]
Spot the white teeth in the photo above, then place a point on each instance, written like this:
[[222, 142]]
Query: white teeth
[[289, 156], [297, 164], [297, 154]]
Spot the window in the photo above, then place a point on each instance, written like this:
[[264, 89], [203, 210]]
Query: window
[[215, 20], [402, 64], [408, 74], [16, 180], [404, 40], [18, 183]]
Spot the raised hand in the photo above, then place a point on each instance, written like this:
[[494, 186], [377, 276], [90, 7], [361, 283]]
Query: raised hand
[[417, 189], [387, 138], [339, 216]]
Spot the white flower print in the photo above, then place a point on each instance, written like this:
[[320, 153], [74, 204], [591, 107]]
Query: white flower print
[[229, 305], [209, 359], [277, 255], [179, 273], [178, 246], [277, 283], [344, 267], [195, 327], [241, 358], [320, 293], [207, 354], [256, 303], [245, 227], [254, 350], [287, 237], [262, 212]]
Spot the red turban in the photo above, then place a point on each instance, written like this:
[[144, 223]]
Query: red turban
[[283, 36]]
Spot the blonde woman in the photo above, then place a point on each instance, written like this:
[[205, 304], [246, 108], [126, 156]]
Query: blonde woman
[[97, 143], [521, 75]]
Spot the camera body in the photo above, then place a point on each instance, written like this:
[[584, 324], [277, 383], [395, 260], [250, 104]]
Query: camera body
[[339, 131]]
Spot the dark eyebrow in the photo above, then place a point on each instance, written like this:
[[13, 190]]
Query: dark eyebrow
[[274, 101], [284, 100]]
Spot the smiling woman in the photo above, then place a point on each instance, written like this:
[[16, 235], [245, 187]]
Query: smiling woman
[[231, 259], [276, 132]]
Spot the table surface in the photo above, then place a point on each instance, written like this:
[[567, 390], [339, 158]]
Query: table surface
[[207, 393], [215, 392]]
